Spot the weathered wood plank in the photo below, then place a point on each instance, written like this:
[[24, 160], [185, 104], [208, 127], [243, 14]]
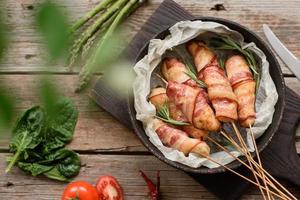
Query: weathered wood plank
[[96, 130], [174, 183], [26, 51]]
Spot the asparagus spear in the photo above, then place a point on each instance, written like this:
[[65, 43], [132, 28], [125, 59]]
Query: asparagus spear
[[75, 50], [101, 6], [89, 68], [89, 44]]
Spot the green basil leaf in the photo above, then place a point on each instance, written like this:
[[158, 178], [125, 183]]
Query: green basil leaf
[[70, 166], [27, 134], [67, 162], [63, 125], [51, 145], [33, 168], [56, 175], [53, 25]]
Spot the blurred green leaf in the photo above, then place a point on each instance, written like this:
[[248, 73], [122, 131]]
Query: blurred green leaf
[[7, 109], [3, 36], [49, 97], [53, 25], [110, 51]]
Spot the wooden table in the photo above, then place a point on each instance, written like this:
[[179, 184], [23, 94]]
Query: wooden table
[[104, 145]]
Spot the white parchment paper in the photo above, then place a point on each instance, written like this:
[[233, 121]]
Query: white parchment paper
[[181, 33]]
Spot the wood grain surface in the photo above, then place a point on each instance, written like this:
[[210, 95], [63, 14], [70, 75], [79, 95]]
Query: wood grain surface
[[105, 146], [174, 183]]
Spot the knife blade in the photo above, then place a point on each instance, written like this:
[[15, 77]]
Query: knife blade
[[287, 57]]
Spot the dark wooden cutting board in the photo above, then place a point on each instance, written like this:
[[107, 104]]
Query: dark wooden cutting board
[[279, 158]]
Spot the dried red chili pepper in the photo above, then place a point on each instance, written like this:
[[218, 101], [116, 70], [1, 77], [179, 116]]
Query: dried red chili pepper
[[153, 189]]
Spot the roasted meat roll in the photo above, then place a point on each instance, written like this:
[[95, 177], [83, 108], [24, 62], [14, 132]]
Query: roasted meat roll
[[243, 85], [158, 98], [219, 89], [175, 71], [178, 139], [192, 102]]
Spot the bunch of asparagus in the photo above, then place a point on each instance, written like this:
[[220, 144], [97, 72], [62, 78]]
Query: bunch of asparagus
[[110, 14]]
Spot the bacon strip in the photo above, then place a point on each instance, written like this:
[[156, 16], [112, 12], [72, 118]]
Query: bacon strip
[[159, 99], [177, 139], [193, 104], [243, 85], [218, 86], [175, 71]]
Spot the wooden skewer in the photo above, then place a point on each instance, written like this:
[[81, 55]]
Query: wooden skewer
[[244, 146], [237, 131], [254, 162], [163, 80], [249, 167], [259, 161], [243, 177], [269, 176]]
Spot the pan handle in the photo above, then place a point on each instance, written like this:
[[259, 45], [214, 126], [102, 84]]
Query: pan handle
[[280, 158]]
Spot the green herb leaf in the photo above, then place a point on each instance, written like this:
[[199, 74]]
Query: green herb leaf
[[191, 69], [221, 62], [3, 36], [229, 44], [55, 174], [49, 97], [194, 78], [63, 125], [7, 109], [34, 169], [69, 166], [39, 140], [53, 25], [66, 161], [27, 134], [163, 113]]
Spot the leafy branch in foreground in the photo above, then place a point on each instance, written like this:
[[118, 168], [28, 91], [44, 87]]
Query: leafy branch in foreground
[[163, 113]]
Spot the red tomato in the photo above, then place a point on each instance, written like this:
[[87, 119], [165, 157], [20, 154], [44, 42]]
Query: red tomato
[[80, 190], [109, 188]]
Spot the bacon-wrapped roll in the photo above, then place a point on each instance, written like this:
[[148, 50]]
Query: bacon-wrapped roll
[[192, 103], [219, 89], [201, 53], [175, 71], [243, 85], [158, 98], [177, 139]]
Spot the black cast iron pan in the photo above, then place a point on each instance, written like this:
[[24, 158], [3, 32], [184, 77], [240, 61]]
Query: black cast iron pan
[[263, 141]]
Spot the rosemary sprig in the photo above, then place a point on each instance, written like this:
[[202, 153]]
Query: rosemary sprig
[[229, 44], [194, 78], [191, 69], [221, 62], [163, 113]]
